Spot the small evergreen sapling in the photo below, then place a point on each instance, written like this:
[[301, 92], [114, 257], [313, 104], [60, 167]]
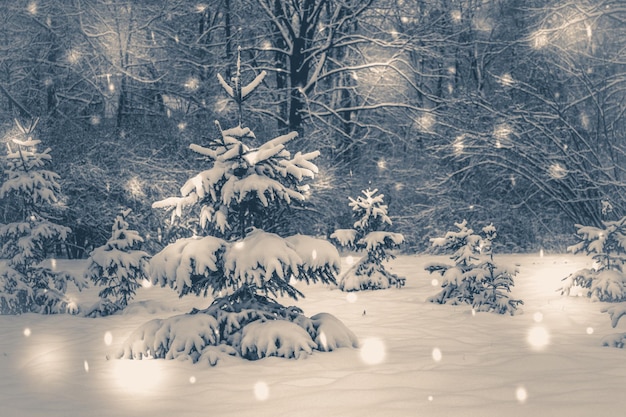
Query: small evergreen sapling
[[368, 235], [119, 266], [244, 191], [606, 280], [26, 285], [475, 278]]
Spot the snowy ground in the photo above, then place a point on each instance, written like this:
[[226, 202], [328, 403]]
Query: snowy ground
[[417, 359]]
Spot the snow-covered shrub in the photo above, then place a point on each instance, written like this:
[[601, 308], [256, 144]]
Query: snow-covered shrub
[[244, 191], [371, 217], [26, 285], [606, 280], [119, 266], [475, 278]]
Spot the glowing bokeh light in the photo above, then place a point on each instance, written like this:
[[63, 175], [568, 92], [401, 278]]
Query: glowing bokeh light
[[351, 297], [350, 260], [538, 337], [27, 332], [541, 253], [456, 15], [557, 171], [32, 8], [261, 391], [437, 355], [521, 394], [538, 317], [434, 282], [192, 379], [589, 330], [430, 398], [86, 366], [192, 84], [137, 376], [372, 351], [381, 164], [314, 254], [145, 283], [459, 145], [108, 338]]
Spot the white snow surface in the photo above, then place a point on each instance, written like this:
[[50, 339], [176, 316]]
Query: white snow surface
[[415, 358]]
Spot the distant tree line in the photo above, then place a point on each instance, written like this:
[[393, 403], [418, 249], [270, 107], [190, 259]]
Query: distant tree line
[[503, 111]]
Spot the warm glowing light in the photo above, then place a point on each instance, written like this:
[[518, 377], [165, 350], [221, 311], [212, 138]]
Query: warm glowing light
[[314, 254], [192, 379], [32, 8], [182, 126], [261, 391], [27, 332], [541, 253], [138, 376], [201, 7], [589, 330], [557, 171], [73, 56], [108, 338], [350, 260], [266, 45], [398, 186], [434, 282], [430, 398], [192, 84], [513, 180], [372, 351], [425, 122], [521, 394], [456, 15], [589, 32], [239, 245], [502, 133], [437, 355], [473, 312], [86, 365], [506, 80], [381, 164], [459, 145], [538, 337], [538, 317], [95, 120], [111, 87], [134, 187], [53, 264], [145, 283]]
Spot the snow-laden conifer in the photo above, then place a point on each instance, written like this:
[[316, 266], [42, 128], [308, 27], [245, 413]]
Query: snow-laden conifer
[[606, 279], [119, 266], [474, 278], [369, 236], [238, 255], [33, 190]]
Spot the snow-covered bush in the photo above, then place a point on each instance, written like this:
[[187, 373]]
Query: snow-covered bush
[[119, 266], [371, 217], [26, 285], [606, 280], [244, 191], [475, 278]]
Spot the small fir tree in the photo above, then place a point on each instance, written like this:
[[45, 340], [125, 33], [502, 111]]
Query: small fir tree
[[244, 191], [369, 235], [606, 279], [26, 285], [475, 278], [119, 266]]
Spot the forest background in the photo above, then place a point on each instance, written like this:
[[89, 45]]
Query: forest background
[[511, 112]]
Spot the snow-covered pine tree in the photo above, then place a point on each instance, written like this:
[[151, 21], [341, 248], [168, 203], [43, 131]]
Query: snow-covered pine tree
[[26, 285], [243, 192], [474, 278], [119, 266], [369, 235], [606, 280]]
